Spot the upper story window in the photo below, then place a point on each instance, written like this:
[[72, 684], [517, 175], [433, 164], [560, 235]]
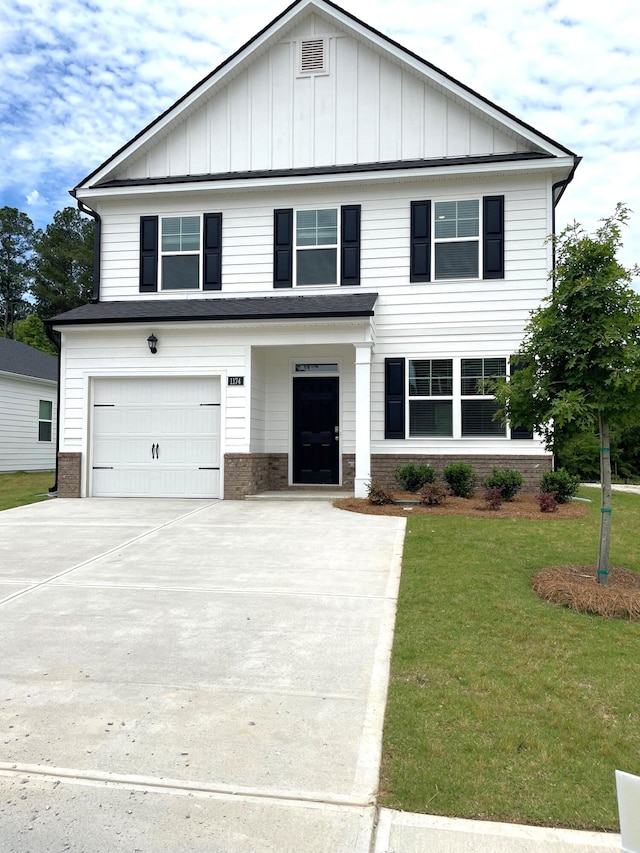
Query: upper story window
[[180, 252], [45, 420], [462, 239], [316, 247], [456, 253]]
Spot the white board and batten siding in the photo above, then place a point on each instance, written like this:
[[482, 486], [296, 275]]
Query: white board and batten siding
[[366, 107], [20, 447]]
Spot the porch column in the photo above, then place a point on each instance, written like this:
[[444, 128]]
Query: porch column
[[363, 418]]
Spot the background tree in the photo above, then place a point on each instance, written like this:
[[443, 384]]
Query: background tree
[[17, 237], [64, 264], [31, 331], [579, 364]]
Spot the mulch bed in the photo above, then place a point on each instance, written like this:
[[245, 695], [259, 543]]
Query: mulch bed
[[576, 587], [523, 506]]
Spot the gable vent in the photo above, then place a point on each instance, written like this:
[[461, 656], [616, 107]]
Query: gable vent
[[313, 56]]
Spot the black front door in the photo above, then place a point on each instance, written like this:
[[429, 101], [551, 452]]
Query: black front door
[[315, 429]]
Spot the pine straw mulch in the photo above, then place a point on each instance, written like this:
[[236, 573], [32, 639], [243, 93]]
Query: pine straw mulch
[[576, 587], [523, 506], [568, 586]]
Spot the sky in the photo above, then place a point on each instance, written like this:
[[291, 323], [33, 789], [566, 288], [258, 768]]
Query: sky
[[79, 78]]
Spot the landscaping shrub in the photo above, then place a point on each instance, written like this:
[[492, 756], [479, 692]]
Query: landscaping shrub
[[412, 477], [561, 484], [493, 496], [547, 501], [507, 480], [433, 494], [460, 478], [378, 495]]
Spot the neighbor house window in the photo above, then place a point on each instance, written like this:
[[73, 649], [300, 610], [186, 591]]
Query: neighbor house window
[[180, 252], [45, 420], [431, 397], [457, 239], [316, 240], [478, 407]]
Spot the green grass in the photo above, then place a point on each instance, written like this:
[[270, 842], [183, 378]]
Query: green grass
[[501, 706], [24, 488]]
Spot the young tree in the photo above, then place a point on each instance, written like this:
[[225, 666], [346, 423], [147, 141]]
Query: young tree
[[17, 238], [31, 331], [578, 368], [63, 263]]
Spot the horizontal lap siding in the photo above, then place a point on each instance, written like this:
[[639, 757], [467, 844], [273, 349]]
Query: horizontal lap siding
[[247, 236], [20, 449]]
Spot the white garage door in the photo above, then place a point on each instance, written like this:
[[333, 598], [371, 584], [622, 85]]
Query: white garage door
[[156, 438]]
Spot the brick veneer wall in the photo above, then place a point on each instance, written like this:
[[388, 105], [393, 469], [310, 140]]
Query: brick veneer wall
[[531, 467], [69, 474], [252, 473]]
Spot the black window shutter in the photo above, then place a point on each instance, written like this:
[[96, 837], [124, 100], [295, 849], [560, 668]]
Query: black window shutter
[[148, 254], [350, 244], [493, 236], [394, 397], [420, 241], [283, 248], [212, 255]]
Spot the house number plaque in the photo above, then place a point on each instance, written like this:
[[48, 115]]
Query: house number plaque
[[235, 380]]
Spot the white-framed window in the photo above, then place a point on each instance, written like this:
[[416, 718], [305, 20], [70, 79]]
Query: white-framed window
[[431, 397], [477, 376], [456, 236], [180, 248], [452, 397], [316, 246], [45, 420]]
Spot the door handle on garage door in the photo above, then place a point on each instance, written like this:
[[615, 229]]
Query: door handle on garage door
[[155, 451]]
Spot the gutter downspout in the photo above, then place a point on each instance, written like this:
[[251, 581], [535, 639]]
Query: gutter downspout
[[562, 185], [56, 340], [97, 244]]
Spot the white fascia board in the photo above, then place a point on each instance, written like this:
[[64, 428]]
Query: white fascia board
[[364, 326], [32, 380], [559, 164], [450, 85], [205, 86]]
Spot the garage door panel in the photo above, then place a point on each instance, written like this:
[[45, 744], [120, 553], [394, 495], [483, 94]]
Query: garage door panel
[[156, 437]]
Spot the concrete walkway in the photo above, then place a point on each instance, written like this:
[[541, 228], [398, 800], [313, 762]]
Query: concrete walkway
[[207, 676]]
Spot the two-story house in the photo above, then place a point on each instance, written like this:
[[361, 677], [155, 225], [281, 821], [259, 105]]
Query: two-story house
[[309, 267]]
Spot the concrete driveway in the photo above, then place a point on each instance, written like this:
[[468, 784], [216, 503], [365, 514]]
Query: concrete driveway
[[192, 675]]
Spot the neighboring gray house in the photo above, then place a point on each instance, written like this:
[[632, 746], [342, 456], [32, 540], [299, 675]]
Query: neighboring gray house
[[309, 267], [28, 391]]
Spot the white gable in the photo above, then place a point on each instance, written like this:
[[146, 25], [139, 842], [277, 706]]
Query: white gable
[[370, 102]]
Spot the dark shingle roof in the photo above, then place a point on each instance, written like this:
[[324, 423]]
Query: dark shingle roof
[[291, 307], [16, 357]]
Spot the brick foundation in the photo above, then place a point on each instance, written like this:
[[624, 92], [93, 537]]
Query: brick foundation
[[69, 475], [531, 467]]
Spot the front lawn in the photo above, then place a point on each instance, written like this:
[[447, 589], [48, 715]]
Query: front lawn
[[502, 706], [24, 488]]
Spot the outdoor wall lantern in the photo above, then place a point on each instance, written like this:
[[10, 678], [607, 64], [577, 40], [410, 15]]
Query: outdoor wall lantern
[[153, 343]]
